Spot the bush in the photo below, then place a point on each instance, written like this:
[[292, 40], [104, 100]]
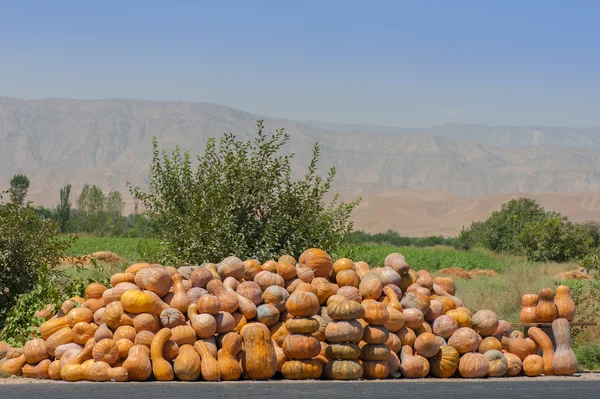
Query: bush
[[27, 244], [591, 261], [241, 199], [555, 239], [588, 355], [394, 238]]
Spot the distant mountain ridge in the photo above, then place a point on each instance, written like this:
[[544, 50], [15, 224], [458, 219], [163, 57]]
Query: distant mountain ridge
[[108, 142], [502, 136]]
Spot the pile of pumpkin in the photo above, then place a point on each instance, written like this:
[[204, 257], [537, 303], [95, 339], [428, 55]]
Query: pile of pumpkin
[[545, 307], [282, 319]]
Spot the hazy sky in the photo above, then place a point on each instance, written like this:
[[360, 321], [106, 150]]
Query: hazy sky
[[404, 63]]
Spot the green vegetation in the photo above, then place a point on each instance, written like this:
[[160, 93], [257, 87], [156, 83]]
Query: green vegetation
[[588, 355], [241, 199], [28, 244], [130, 249], [523, 227], [394, 238]]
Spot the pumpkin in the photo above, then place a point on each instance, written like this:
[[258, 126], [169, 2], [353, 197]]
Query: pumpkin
[[376, 370], [137, 364], [195, 293], [301, 346], [183, 335], [93, 304], [144, 338], [65, 308], [394, 343], [343, 370], [259, 360], [53, 325], [161, 368], [35, 351], [251, 269], [77, 372], [516, 346], [267, 314], [250, 290], [146, 322], [302, 369], [345, 310], [370, 286], [13, 366], [413, 366], [305, 274], [343, 351], [62, 336], [276, 296], [395, 319], [373, 334], [124, 346], [344, 331], [427, 345], [514, 364], [200, 277], [62, 349], [156, 279], [498, 365], [446, 301], [114, 294], [485, 322], [341, 265], [374, 352], [544, 342], [180, 301], [121, 278], [229, 366], [112, 315], [564, 361], [375, 312], [106, 351], [40, 370], [318, 261], [228, 300], [407, 336], [473, 365], [462, 317], [225, 322], [546, 311], [320, 335], [46, 314], [279, 331], [504, 330], [209, 304], [564, 303], [444, 326], [446, 283], [416, 300], [231, 267], [302, 303], [436, 309], [171, 317], [83, 332], [516, 334], [101, 371], [136, 267], [445, 362], [413, 318], [362, 268], [187, 364], [286, 270], [324, 289], [528, 308], [418, 289], [94, 291], [488, 344], [270, 266], [397, 262], [388, 276], [159, 304], [302, 325], [534, 349], [347, 278], [425, 327], [54, 370], [266, 279], [394, 365], [465, 340], [533, 366]]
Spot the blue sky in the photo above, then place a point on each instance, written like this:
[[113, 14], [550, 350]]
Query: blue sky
[[398, 63]]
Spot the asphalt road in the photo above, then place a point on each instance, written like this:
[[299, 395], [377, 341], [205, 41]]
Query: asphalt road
[[489, 389]]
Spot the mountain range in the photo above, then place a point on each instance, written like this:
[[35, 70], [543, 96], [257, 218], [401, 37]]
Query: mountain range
[[108, 143]]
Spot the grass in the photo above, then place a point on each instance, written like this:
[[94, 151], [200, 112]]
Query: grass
[[130, 249]]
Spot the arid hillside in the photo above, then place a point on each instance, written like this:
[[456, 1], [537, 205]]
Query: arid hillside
[[415, 182]]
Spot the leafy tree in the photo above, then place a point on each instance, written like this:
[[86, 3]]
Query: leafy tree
[[555, 239], [19, 185], [115, 204], [501, 231], [27, 243], [241, 199], [63, 210]]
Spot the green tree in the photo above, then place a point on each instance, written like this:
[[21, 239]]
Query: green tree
[[115, 204], [27, 244], [501, 231], [241, 199], [19, 185], [555, 239], [63, 210]]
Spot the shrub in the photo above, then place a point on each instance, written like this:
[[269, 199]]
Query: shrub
[[241, 199], [27, 243], [588, 355], [555, 239], [591, 261]]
